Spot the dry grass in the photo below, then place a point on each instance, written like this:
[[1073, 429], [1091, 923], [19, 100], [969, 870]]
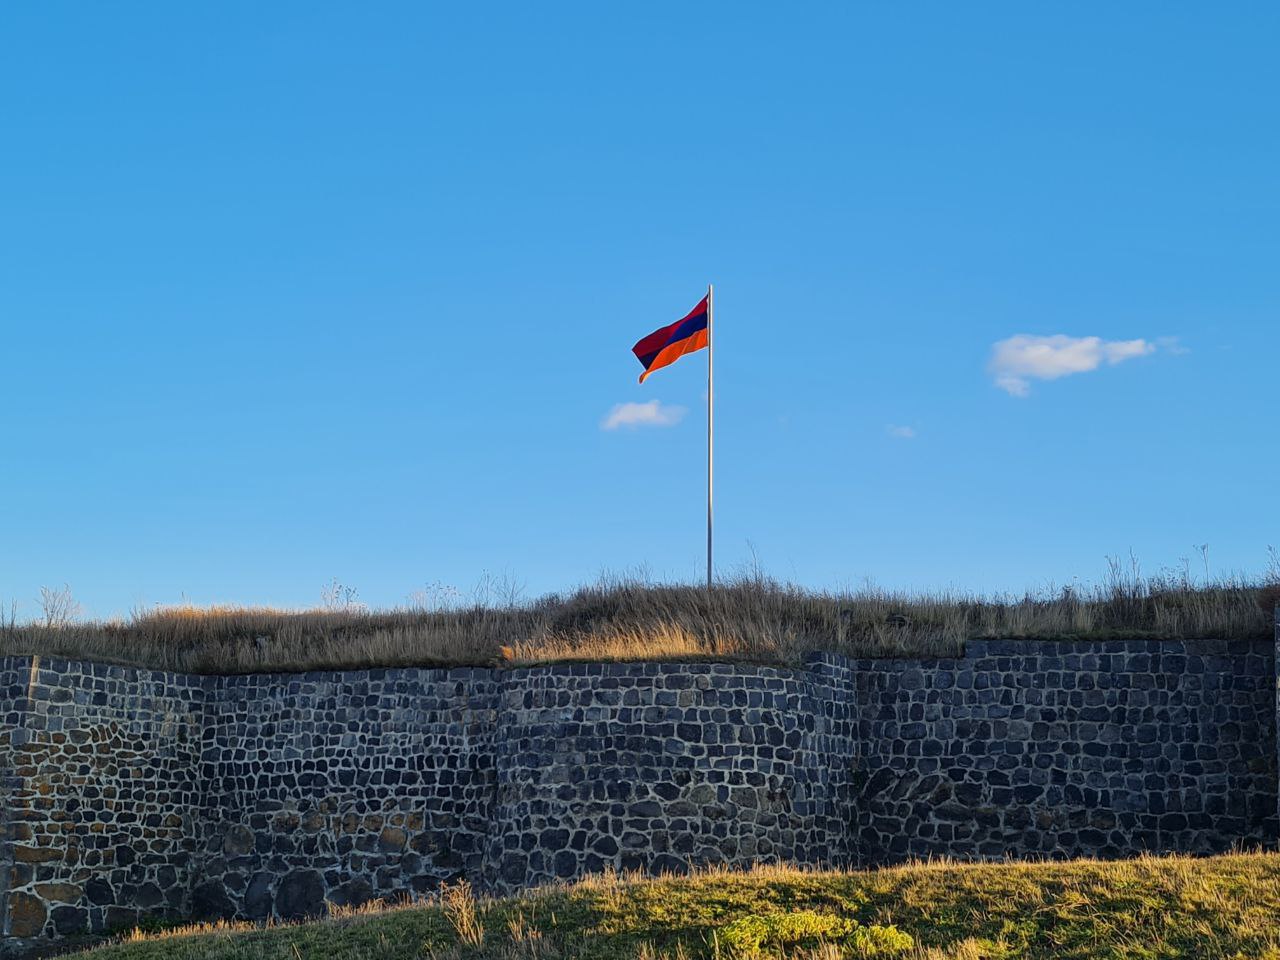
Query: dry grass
[[751, 618]]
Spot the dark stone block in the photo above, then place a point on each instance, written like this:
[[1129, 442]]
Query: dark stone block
[[148, 895], [258, 900], [209, 901], [301, 895], [667, 791], [515, 868], [565, 865], [69, 920], [352, 893], [99, 892], [554, 839]]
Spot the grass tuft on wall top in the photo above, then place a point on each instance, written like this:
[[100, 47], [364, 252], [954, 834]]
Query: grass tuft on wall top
[[751, 618]]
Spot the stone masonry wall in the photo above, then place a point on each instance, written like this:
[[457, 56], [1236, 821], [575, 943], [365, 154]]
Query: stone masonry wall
[[102, 798], [127, 792], [13, 691], [344, 787], [653, 766], [1067, 749]]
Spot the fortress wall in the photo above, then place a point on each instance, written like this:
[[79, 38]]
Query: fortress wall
[[14, 674], [654, 766], [128, 792], [342, 787], [1029, 749], [102, 797]]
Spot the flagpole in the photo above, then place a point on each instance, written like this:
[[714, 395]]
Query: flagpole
[[710, 420]]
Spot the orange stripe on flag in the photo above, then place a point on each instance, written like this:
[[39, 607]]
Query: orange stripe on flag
[[674, 351]]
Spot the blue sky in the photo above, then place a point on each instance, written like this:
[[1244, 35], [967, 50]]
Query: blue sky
[[296, 291]]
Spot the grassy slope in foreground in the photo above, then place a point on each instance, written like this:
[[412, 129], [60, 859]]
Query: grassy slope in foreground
[[1223, 907]]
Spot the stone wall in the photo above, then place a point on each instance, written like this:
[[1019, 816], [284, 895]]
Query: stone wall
[[102, 798], [126, 792], [14, 675], [651, 766], [1067, 749], [344, 787]]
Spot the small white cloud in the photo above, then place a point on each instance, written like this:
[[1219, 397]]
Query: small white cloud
[[652, 413], [1017, 361], [1014, 386], [1172, 345], [902, 433]]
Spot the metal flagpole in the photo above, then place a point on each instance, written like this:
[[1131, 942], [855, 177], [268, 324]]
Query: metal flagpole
[[710, 415]]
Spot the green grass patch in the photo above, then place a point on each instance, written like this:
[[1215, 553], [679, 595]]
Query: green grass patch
[[1224, 907]]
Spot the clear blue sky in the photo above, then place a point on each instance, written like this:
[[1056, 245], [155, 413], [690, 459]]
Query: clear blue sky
[[295, 291]]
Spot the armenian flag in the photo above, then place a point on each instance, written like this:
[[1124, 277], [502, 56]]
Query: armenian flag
[[668, 344]]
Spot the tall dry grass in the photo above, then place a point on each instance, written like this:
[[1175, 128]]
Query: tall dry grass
[[749, 618]]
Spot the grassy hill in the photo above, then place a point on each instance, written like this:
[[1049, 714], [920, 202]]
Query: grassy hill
[[1218, 907], [751, 618]]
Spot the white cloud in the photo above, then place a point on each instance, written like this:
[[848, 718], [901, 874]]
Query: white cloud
[[1017, 361], [902, 433], [652, 413]]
